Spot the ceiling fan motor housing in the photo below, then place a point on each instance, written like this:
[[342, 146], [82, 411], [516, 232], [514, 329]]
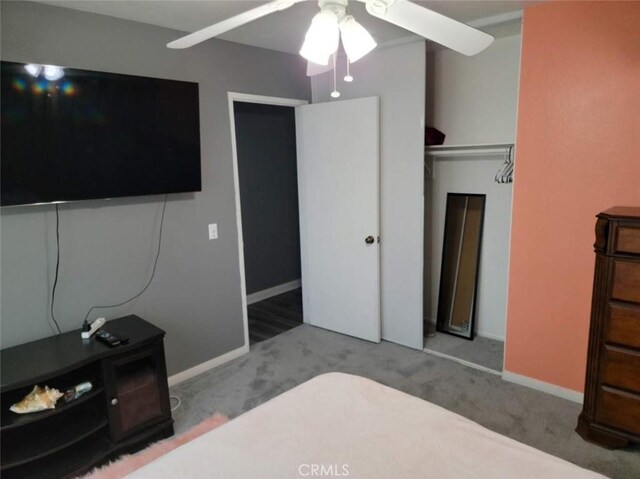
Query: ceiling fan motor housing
[[338, 7], [378, 8]]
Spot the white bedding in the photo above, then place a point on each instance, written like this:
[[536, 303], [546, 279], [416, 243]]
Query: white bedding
[[338, 425]]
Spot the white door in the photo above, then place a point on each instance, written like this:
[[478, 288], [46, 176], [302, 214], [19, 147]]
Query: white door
[[338, 189]]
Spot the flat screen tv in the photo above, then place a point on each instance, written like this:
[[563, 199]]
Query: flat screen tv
[[89, 135]]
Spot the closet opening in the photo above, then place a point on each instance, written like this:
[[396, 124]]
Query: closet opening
[[467, 228], [472, 104]]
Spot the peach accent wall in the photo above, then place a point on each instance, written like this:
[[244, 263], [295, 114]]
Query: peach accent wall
[[578, 153]]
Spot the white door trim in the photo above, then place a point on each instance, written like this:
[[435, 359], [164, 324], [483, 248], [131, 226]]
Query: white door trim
[[247, 98]]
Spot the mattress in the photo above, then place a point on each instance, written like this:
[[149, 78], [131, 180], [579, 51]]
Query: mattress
[[339, 425]]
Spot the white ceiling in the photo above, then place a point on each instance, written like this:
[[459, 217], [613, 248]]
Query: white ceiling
[[282, 31]]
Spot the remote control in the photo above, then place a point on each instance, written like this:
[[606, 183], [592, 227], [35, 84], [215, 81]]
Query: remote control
[[110, 339]]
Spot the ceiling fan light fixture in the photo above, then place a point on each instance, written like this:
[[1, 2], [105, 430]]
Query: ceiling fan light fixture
[[33, 69], [53, 72], [322, 38], [357, 41]]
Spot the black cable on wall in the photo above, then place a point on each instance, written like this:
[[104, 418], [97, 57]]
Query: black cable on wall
[[55, 280], [153, 272]]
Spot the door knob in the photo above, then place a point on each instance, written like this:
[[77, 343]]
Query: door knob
[[369, 240], [114, 401]]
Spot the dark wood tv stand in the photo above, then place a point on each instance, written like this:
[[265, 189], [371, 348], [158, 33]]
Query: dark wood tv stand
[[127, 408]]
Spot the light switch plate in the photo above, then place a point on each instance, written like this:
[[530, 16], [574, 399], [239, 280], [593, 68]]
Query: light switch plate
[[213, 231]]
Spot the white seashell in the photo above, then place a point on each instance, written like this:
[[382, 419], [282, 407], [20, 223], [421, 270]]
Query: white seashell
[[38, 399]]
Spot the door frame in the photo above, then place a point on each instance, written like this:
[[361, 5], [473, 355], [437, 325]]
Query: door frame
[[264, 100]]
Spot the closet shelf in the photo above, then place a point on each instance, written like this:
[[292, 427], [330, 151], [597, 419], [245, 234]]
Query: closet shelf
[[460, 151]]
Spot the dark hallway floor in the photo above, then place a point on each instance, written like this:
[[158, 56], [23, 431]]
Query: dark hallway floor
[[273, 316]]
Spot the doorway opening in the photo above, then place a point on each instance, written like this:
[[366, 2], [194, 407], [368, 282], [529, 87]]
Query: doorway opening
[[265, 174]]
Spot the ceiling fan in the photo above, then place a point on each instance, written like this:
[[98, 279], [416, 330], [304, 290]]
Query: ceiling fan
[[333, 22]]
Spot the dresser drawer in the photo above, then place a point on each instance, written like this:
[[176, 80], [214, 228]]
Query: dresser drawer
[[627, 240], [623, 325], [621, 368], [626, 281], [618, 409]]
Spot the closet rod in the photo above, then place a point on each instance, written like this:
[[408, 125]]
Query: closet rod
[[468, 150]]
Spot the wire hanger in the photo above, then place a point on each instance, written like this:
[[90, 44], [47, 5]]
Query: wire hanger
[[505, 174]]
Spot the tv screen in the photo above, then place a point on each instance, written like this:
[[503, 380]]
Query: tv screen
[[88, 135]]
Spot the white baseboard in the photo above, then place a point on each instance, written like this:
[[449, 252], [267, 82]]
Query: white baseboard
[[549, 388], [482, 334], [463, 362], [207, 365], [275, 291]]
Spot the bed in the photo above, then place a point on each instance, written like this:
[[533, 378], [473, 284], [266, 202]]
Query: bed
[[339, 425]]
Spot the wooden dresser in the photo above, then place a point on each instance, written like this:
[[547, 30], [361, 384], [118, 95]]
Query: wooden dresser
[[611, 413]]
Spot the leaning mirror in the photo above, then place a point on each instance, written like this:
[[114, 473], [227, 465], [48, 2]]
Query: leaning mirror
[[460, 264]]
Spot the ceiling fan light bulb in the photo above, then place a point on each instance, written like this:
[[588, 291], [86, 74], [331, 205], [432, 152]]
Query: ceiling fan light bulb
[[314, 55], [322, 38], [53, 73], [357, 41], [33, 69]]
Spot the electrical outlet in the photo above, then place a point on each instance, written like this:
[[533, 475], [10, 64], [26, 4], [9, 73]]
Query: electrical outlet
[[213, 231]]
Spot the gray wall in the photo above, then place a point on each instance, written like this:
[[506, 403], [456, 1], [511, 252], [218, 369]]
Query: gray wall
[[266, 144], [107, 247]]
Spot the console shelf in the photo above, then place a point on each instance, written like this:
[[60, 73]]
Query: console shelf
[[19, 420], [101, 424], [51, 441], [68, 463]]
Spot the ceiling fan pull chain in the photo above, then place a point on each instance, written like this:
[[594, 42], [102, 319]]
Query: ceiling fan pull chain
[[348, 78], [335, 93]]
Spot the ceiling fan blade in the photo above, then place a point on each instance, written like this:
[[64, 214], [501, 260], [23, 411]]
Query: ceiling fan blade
[[431, 25], [231, 23]]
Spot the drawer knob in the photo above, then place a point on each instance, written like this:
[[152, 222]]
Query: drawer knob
[[114, 401]]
